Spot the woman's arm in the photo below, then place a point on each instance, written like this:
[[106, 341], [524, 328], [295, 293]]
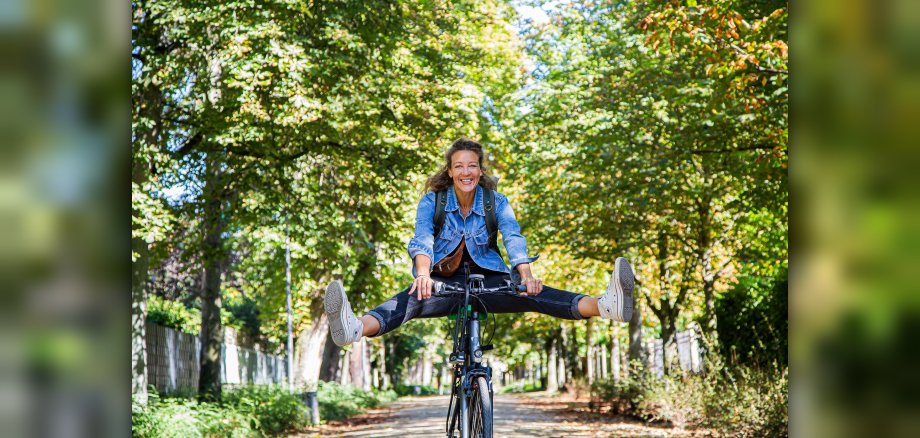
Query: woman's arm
[[422, 282], [516, 245], [421, 246], [423, 240]]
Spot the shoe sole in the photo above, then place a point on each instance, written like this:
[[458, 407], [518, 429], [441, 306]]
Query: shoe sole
[[624, 283], [334, 303]]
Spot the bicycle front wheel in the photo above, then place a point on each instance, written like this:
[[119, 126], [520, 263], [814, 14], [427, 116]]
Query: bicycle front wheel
[[480, 409]]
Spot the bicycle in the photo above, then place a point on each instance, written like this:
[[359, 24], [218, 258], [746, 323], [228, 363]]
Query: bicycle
[[470, 408]]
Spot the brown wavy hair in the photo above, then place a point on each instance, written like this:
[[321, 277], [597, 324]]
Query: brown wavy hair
[[441, 180]]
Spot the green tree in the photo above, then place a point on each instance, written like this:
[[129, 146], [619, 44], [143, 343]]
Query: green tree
[[666, 126], [323, 112]]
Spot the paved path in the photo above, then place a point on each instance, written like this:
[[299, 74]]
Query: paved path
[[520, 415]]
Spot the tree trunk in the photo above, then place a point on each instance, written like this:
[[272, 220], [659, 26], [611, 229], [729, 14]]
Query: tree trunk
[[151, 107], [562, 372], [385, 378], [427, 368], [541, 371], [375, 364], [552, 378], [212, 335], [635, 334], [356, 363], [391, 355], [712, 334], [574, 364], [590, 342], [345, 367], [614, 354], [311, 343], [329, 370], [139, 278], [138, 321], [668, 331], [366, 363], [602, 359]]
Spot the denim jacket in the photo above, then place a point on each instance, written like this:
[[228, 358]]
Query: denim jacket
[[472, 230]]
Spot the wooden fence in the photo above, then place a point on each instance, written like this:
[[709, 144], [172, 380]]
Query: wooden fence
[[173, 361], [689, 355]]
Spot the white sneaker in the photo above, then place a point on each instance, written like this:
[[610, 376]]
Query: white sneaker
[[617, 302], [343, 325]]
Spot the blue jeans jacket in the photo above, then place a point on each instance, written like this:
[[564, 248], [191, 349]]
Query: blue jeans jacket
[[472, 229]]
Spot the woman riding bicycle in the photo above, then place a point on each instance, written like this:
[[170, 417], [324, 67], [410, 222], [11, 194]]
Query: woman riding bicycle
[[464, 238]]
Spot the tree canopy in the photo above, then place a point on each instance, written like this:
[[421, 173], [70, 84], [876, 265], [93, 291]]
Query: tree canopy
[[652, 130]]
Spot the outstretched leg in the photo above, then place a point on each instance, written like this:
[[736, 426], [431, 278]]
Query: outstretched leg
[[343, 325], [587, 307], [617, 302], [371, 325], [346, 328]]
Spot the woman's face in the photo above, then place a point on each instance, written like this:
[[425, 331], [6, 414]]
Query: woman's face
[[464, 170]]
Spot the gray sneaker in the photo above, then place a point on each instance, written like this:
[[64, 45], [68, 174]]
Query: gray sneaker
[[617, 302], [343, 325]]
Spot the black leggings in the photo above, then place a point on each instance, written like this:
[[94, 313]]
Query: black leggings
[[402, 307]]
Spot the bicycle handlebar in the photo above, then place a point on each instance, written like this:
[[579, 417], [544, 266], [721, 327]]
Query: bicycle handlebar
[[442, 289]]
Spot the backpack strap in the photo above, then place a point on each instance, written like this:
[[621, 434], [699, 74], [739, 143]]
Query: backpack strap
[[488, 204], [439, 206]]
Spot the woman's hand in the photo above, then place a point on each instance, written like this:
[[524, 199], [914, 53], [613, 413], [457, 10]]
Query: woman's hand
[[422, 284], [534, 286]]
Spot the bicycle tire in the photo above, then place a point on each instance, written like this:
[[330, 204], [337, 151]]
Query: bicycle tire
[[481, 409]]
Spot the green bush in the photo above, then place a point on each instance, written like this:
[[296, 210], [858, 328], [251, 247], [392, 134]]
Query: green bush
[[276, 409], [624, 396], [184, 417], [521, 386], [173, 314], [753, 321], [737, 402], [751, 403], [404, 390], [337, 401], [244, 411], [248, 411]]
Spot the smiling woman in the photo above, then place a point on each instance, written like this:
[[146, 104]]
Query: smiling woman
[[454, 225]]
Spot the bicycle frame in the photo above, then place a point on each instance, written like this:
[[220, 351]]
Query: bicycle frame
[[467, 357], [468, 366]]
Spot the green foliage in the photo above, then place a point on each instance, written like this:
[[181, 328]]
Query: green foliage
[[317, 120], [186, 417], [735, 402], [243, 412], [243, 314], [337, 401], [276, 409], [174, 314], [404, 390], [657, 131], [519, 387], [753, 322]]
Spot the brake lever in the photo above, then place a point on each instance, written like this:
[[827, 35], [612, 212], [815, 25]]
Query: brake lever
[[515, 287]]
